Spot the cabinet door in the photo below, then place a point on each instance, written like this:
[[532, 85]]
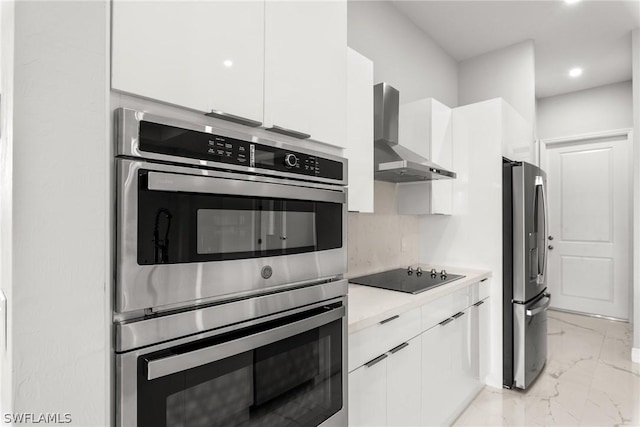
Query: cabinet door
[[481, 330], [465, 357], [438, 391], [368, 395], [204, 55], [360, 131], [306, 68], [404, 384]]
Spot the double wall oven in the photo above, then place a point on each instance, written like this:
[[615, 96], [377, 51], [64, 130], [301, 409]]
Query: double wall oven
[[230, 302]]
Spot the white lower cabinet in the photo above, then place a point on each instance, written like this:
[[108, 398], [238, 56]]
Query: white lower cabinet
[[404, 384], [430, 379], [480, 320], [447, 373], [386, 390], [368, 395]]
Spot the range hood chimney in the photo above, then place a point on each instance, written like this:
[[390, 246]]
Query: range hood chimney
[[392, 161]]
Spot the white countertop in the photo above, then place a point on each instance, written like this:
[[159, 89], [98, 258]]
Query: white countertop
[[369, 305]]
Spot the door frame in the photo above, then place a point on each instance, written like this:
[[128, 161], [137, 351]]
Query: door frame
[[634, 186]]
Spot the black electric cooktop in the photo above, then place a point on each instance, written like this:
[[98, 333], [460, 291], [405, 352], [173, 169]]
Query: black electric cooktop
[[409, 280]]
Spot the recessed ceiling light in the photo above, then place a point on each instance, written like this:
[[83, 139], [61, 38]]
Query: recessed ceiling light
[[228, 63], [575, 72], [572, 1]]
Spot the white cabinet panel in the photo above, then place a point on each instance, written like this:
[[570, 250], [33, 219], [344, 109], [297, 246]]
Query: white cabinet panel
[[404, 384], [359, 144], [206, 55], [480, 339], [306, 68], [368, 343], [437, 369], [426, 127], [368, 395]]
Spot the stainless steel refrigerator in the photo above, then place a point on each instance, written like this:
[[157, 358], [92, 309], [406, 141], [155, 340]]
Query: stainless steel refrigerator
[[525, 296]]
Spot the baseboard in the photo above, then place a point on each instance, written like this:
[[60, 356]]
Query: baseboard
[[635, 354]]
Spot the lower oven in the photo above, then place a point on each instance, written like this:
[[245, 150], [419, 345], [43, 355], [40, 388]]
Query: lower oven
[[280, 369]]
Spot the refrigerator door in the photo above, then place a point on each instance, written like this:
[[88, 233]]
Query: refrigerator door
[[529, 232], [530, 340]]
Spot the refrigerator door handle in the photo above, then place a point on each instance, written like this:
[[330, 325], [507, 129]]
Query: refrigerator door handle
[[542, 261], [541, 306]]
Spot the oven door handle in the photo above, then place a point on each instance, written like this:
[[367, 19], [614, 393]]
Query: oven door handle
[[181, 362], [162, 181]]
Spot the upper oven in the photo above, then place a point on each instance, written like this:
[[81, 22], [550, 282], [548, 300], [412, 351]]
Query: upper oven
[[206, 214]]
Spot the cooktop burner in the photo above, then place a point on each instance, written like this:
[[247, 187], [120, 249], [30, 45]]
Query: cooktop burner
[[407, 280]]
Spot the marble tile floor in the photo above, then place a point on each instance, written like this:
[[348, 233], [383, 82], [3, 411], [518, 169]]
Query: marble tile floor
[[589, 380]]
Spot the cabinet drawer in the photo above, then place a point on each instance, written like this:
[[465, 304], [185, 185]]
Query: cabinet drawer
[[438, 310], [479, 291], [371, 342]]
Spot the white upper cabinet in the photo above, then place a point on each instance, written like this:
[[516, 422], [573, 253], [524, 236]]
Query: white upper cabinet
[[306, 68], [359, 147], [202, 55], [426, 127]]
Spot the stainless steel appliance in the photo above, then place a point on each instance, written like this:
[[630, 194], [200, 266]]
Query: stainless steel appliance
[[407, 280], [393, 162], [525, 300], [213, 367], [206, 214], [230, 304]]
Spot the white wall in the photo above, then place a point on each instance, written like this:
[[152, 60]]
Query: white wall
[[507, 73], [6, 197], [403, 55], [472, 236], [58, 149], [602, 108], [636, 192]]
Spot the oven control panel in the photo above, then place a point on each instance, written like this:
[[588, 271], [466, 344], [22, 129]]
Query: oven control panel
[[174, 141]]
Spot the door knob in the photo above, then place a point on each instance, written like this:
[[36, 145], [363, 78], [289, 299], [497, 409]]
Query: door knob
[[550, 237], [550, 247]]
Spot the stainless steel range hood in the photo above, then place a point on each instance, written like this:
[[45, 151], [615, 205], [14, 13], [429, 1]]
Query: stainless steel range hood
[[392, 161]]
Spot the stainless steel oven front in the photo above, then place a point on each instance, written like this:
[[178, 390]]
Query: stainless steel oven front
[[207, 214], [285, 367]]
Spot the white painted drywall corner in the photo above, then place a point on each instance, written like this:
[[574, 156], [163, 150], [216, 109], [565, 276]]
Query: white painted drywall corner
[[636, 186], [6, 196], [591, 110], [403, 55], [507, 73], [472, 236], [59, 285]]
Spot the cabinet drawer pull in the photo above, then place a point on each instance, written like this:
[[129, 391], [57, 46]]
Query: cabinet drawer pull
[[484, 280], [445, 321], [288, 132], [376, 360], [457, 315], [232, 118], [479, 303], [382, 322], [398, 348]]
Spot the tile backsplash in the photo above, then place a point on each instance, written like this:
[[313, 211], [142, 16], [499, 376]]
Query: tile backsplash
[[383, 240]]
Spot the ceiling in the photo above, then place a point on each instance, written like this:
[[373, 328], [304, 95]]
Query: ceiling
[[593, 35]]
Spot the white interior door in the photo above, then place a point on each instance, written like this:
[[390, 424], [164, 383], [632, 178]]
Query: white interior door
[[589, 184]]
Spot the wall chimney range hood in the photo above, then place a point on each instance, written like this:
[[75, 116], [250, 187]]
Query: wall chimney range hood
[[392, 161]]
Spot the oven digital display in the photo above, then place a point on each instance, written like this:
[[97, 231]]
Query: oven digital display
[[265, 158]]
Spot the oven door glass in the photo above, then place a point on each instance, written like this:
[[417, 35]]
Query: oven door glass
[[183, 227], [292, 381]]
